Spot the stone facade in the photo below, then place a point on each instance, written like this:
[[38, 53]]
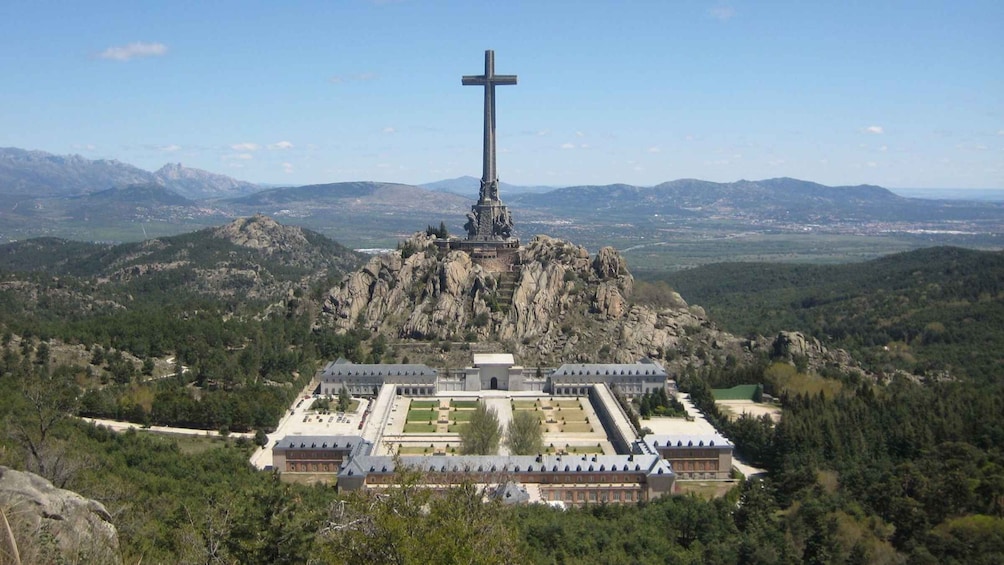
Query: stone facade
[[497, 371], [692, 457], [316, 454], [571, 479]]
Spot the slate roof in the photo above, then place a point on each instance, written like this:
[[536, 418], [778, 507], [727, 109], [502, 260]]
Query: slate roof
[[337, 369], [356, 445], [609, 369], [649, 464], [653, 441]]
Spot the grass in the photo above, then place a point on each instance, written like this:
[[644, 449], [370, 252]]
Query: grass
[[576, 427], [524, 405], [11, 542], [194, 445], [424, 404], [738, 392], [461, 416], [415, 450], [786, 378], [574, 404], [419, 428], [455, 428], [422, 415], [464, 404]]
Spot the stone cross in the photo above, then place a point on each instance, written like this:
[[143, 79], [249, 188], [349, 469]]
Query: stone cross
[[489, 176]]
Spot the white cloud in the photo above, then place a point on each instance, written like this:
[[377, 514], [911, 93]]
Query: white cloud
[[238, 157], [883, 148], [1000, 132], [281, 145], [543, 132], [579, 134], [85, 147], [245, 146], [171, 148], [287, 168], [389, 129], [874, 129], [722, 13], [871, 164], [134, 51], [568, 146], [655, 149]]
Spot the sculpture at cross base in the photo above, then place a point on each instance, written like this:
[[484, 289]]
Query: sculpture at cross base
[[489, 219]]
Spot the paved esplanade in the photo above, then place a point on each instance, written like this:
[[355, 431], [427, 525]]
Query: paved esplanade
[[489, 219]]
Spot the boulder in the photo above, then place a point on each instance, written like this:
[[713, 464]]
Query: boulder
[[53, 525]]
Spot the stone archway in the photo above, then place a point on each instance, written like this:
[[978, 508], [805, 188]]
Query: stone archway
[[494, 383]]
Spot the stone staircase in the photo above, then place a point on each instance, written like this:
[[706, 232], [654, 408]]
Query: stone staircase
[[506, 288]]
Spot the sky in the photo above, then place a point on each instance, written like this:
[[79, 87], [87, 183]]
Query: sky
[[897, 94]]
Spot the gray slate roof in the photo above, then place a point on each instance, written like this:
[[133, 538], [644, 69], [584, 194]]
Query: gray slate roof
[[649, 464], [356, 445], [337, 369]]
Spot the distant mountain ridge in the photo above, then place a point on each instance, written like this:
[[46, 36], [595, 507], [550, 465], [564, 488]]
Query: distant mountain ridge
[[773, 198], [468, 185], [254, 257], [41, 174]]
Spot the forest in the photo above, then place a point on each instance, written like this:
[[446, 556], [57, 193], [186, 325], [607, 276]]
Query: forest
[[936, 312]]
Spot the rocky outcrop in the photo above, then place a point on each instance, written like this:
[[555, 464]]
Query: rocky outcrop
[[52, 525], [794, 344], [262, 233], [566, 305]]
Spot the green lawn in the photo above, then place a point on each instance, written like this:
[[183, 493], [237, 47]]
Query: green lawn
[[464, 404], [524, 405], [461, 415], [455, 428], [419, 428], [576, 427], [424, 404], [574, 404], [422, 415]]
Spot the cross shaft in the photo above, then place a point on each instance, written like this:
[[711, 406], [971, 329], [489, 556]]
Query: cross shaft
[[489, 80]]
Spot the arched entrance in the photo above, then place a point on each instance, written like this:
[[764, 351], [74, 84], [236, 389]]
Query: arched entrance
[[494, 383]]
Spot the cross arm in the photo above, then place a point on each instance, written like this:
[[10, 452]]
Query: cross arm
[[495, 80]]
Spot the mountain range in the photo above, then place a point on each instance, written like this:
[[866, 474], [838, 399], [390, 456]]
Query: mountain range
[[42, 174], [106, 200]]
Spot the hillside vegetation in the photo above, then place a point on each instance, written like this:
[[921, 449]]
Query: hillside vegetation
[[935, 312], [220, 330]]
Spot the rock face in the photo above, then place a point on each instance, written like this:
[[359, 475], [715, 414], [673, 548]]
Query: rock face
[[559, 304], [794, 344], [52, 525], [262, 233]]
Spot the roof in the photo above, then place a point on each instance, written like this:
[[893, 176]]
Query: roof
[[653, 441], [377, 370], [493, 359], [609, 369], [648, 464], [354, 444]]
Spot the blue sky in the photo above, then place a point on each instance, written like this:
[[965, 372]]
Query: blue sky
[[899, 94]]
